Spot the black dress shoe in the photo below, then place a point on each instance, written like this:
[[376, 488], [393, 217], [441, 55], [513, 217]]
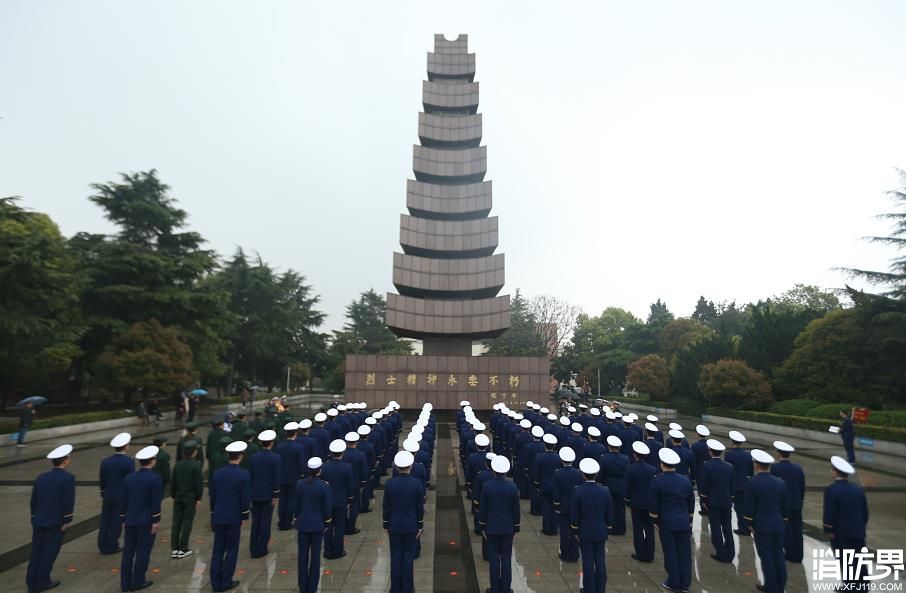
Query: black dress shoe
[[760, 588], [353, 532], [52, 585], [232, 585], [144, 585], [742, 532]]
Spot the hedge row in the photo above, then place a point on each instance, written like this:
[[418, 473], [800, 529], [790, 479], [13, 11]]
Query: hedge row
[[896, 434], [80, 418]]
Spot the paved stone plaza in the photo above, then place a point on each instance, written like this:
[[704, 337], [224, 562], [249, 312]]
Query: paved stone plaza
[[451, 553]]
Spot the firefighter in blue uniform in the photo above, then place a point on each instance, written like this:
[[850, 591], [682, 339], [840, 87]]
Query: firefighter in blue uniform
[[848, 434], [576, 441], [638, 481], [628, 435], [654, 433], [654, 444], [794, 478], [765, 510], [367, 450], [52, 507], [403, 514], [845, 517], [566, 479], [483, 477], [593, 447], [320, 436], [687, 460], [292, 467], [700, 455], [264, 474], [231, 497], [143, 492], [356, 460], [313, 516], [613, 466], [741, 460], [499, 518], [532, 450], [591, 513], [523, 438], [114, 470], [543, 474], [671, 503], [342, 488], [476, 461], [715, 490]]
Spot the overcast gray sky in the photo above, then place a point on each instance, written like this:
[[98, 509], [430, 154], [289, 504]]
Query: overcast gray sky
[[639, 150]]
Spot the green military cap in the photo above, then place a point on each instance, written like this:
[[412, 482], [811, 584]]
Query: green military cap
[[248, 433], [270, 424], [160, 441], [190, 444], [224, 441], [216, 420], [191, 425]]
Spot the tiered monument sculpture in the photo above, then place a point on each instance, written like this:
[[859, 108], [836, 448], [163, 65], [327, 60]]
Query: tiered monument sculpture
[[448, 276]]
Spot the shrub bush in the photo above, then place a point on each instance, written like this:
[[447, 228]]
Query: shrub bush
[[829, 410], [894, 418], [80, 418], [794, 407], [883, 433]]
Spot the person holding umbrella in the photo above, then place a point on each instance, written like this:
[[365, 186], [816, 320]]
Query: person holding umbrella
[[26, 417]]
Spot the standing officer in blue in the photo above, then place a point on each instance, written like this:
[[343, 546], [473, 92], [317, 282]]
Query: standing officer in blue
[[687, 460], [313, 516], [52, 504], [848, 434], [264, 473], [590, 515], [613, 466], [700, 455], [566, 479], [628, 435], [531, 451], [546, 464], [638, 481], [715, 490], [143, 492], [654, 444], [671, 503], [765, 510], [342, 487], [292, 467], [794, 478], [231, 494], [499, 518], [404, 515], [114, 470], [845, 517], [356, 460], [741, 460]]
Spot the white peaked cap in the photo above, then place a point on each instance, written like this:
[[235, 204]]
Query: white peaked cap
[[571, 410], [237, 447], [60, 452], [651, 418], [576, 427], [148, 452], [760, 456], [668, 456], [609, 414], [703, 430], [583, 407], [266, 436], [342, 407], [332, 412], [490, 455], [482, 440], [291, 426], [305, 424], [715, 445], [364, 430], [650, 427], [567, 454], [428, 407], [121, 440], [415, 436], [737, 437], [500, 464], [564, 420], [614, 441], [640, 448], [537, 407], [525, 423], [495, 407], [676, 434], [589, 466], [550, 439], [320, 417], [595, 412], [552, 417], [518, 416], [411, 446], [337, 446], [842, 465], [478, 426], [418, 429], [314, 462], [463, 403], [617, 415], [784, 447], [351, 437], [529, 404], [674, 426], [544, 410], [369, 421], [628, 419], [594, 431], [537, 432], [403, 459], [633, 415]]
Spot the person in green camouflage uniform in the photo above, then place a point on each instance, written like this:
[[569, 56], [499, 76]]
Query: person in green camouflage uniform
[[191, 428], [258, 423], [219, 459], [186, 490], [249, 437], [212, 445], [239, 427], [162, 465]]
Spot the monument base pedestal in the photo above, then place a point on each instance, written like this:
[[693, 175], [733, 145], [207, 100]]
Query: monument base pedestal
[[444, 381]]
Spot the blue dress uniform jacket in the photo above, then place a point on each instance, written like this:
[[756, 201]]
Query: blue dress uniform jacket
[[794, 478], [264, 472], [313, 515], [321, 440], [613, 475], [231, 493], [687, 460], [499, 519], [700, 454], [849, 436], [741, 460], [143, 492], [715, 488], [671, 503], [638, 481], [766, 509], [114, 470], [52, 504], [292, 467], [591, 514], [339, 475], [404, 515], [845, 518], [628, 436]]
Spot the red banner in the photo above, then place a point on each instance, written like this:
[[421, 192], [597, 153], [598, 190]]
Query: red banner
[[860, 415]]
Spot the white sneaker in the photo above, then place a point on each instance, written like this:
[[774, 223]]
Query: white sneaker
[[186, 553], [175, 554]]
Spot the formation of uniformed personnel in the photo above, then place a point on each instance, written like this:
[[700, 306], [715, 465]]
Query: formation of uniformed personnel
[[715, 490], [671, 504], [794, 478], [264, 473], [52, 507], [342, 489], [162, 464], [591, 516], [741, 460], [186, 488], [566, 479], [403, 515], [114, 470], [765, 512], [230, 492], [313, 516], [845, 519], [499, 520], [638, 481], [142, 496]]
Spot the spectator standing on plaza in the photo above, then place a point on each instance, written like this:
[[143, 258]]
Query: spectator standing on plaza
[[848, 435], [52, 507], [26, 417]]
